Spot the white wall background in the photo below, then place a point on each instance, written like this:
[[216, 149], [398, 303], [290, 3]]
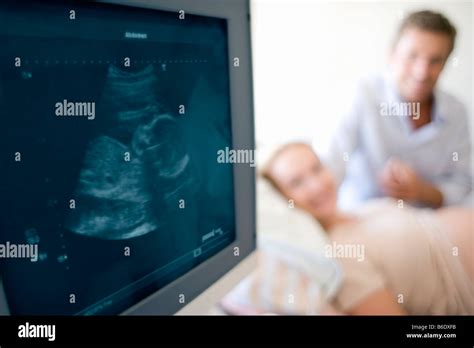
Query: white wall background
[[308, 55]]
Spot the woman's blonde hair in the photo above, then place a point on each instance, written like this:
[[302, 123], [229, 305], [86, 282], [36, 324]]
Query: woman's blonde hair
[[265, 170]]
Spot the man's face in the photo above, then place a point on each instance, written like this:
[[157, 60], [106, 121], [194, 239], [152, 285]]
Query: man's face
[[417, 61]]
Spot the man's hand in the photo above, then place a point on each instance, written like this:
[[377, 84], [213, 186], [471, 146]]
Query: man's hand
[[400, 181]]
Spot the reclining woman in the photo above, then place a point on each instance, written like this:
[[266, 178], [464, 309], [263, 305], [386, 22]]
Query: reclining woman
[[415, 261]]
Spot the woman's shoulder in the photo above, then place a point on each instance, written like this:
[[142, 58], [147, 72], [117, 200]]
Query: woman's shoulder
[[378, 206], [378, 217]]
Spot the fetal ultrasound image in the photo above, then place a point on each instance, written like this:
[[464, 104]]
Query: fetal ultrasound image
[[118, 202], [134, 174]]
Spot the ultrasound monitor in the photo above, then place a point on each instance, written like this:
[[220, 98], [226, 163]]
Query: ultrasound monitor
[[113, 113]]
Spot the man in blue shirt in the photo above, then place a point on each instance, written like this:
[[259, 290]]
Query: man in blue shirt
[[403, 137]]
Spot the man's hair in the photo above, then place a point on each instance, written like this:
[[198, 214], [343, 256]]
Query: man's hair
[[430, 21]]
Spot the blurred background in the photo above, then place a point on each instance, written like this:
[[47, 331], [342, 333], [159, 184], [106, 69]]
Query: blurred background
[[308, 56]]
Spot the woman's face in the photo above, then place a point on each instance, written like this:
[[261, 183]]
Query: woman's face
[[300, 176]]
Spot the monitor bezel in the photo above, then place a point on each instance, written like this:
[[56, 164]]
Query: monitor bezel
[[168, 300]]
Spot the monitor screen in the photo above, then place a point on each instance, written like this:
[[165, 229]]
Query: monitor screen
[[112, 118]]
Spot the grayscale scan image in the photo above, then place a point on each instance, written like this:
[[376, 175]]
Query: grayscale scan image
[[110, 130]]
